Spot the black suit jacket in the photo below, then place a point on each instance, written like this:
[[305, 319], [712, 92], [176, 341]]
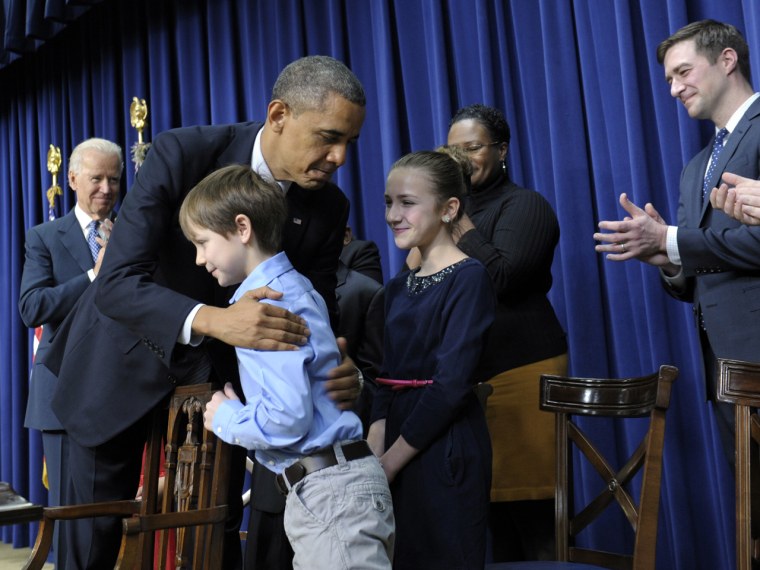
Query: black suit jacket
[[55, 276], [364, 257], [116, 355], [362, 320]]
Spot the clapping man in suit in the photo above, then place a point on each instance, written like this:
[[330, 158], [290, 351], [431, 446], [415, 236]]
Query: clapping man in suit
[[58, 267], [708, 259], [153, 319]]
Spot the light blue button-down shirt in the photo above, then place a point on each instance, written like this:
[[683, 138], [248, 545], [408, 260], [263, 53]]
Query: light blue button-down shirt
[[287, 413]]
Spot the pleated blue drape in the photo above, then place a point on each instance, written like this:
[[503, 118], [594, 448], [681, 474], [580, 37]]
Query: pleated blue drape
[[591, 117]]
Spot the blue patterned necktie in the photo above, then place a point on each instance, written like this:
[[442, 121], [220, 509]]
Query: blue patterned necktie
[[91, 241], [716, 149]]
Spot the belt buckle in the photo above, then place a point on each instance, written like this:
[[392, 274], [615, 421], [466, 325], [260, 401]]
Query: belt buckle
[[297, 472], [279, 482]]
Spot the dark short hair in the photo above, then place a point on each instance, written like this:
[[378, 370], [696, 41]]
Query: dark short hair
[[710, 38], [306, 83], [217, 199], [447, 168], [491, 118]]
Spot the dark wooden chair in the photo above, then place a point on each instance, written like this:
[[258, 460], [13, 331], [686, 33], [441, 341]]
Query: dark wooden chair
[[192, 500], [611, 398], [739, 384]]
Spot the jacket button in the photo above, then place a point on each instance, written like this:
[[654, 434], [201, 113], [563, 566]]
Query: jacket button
[[172, 379]]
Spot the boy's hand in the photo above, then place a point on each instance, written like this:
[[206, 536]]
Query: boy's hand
[[343, 386], [213, 405]]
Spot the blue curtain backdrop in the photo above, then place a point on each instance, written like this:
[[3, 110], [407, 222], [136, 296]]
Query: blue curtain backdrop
[[591, 117]]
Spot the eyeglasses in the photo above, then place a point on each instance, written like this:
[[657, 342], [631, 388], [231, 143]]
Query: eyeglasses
[[474, 148]]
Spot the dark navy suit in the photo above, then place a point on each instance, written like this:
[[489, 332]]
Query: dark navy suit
[[721, 259], [55, 276], [119, 358], [362, 323]]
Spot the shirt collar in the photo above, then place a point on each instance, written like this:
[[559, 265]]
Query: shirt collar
[[83, 218], [263, 274], [739, 113], [260, 166]]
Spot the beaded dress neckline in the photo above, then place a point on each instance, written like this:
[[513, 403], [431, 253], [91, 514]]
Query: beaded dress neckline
[[416, 285]]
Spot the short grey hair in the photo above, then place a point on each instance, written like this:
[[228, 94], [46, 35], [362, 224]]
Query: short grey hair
[[101, 145], [306, 83]]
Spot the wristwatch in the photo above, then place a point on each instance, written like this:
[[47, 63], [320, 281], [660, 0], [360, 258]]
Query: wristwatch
[[360, 377]]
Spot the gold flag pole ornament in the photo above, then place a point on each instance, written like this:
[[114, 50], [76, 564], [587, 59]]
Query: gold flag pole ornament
[[53, 166], [138, 112]]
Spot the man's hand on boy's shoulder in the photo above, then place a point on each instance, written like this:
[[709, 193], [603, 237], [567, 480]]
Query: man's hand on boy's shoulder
[[251, 324], [344, 385]]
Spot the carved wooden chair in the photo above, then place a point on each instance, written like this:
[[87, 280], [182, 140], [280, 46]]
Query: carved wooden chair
[[615, 398], [739, 384], [193, 502]]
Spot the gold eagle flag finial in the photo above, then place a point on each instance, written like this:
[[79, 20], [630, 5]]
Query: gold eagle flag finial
[[53, 166], [138, 112]]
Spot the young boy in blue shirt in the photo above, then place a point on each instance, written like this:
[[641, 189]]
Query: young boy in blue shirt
[[338, 511]]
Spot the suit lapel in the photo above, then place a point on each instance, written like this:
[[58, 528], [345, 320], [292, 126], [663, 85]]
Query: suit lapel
[[729, 149], [298, 217], [72, 238]]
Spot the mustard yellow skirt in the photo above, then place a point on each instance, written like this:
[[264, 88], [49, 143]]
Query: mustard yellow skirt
[[522, 436]]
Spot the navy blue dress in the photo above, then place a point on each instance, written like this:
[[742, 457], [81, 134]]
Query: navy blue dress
[[435, 329]]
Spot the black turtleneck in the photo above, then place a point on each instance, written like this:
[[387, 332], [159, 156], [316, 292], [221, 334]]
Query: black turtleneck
[[515, 237]]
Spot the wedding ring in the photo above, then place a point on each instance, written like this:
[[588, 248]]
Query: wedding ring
[[622, 246]]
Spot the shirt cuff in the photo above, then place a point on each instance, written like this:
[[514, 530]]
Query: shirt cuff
[[224, 419], [671, 245], [186, 336]]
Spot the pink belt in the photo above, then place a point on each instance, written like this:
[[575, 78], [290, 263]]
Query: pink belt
[[403, 384]]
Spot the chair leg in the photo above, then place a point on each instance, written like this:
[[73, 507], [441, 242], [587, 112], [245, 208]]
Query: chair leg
[[42, 545], [744, 545]]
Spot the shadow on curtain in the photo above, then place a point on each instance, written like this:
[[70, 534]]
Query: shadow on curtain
[[591, 117]]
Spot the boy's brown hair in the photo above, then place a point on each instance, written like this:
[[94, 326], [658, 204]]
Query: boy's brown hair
[[217, 199]]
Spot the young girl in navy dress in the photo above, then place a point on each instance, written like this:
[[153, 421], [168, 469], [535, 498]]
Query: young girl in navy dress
[[428, 427]]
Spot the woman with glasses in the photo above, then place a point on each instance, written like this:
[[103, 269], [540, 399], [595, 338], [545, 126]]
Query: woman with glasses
[[513, 232]]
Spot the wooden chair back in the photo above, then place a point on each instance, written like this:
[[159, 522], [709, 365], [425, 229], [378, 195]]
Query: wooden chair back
[[739, 384], [570, 397], [191, 502]]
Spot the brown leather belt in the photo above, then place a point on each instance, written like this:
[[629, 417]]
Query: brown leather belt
[[321, 459]]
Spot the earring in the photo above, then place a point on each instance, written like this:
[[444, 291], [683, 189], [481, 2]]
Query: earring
[[446, 219], [504, 166]]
